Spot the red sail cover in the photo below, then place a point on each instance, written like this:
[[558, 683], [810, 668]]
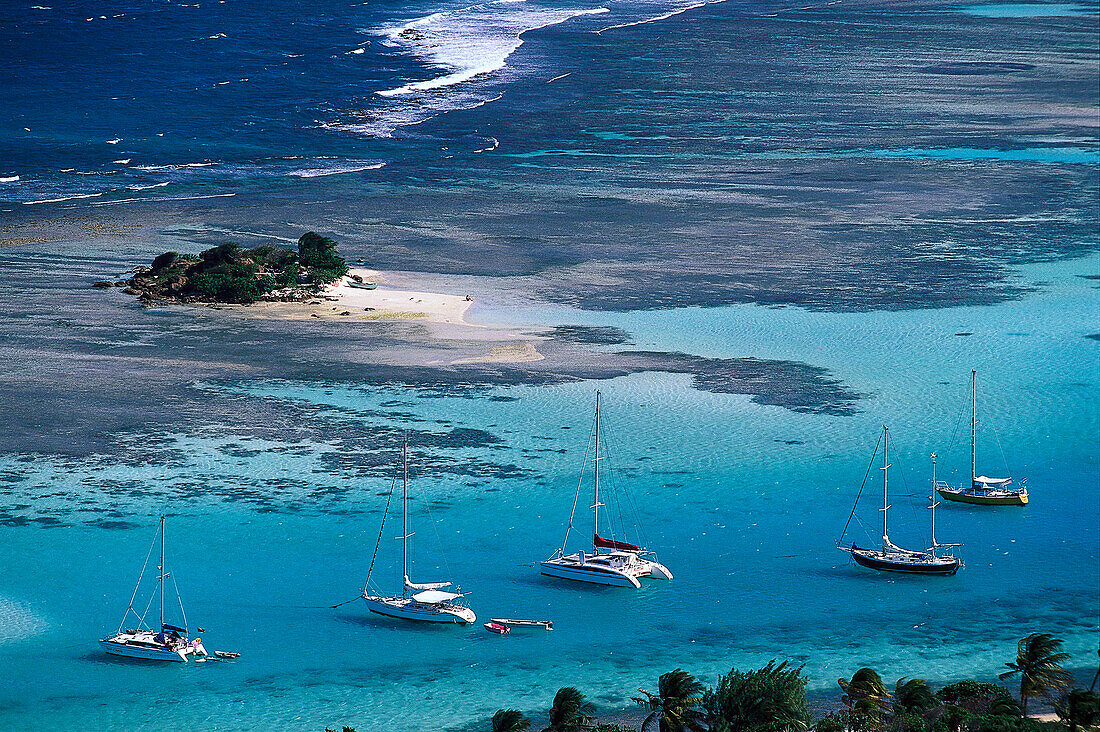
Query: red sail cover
[[602, 543]]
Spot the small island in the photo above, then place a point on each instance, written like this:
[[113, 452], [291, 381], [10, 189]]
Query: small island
[[228, 273]]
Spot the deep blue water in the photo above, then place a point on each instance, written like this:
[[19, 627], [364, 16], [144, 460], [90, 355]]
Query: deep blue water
[[788, 223]]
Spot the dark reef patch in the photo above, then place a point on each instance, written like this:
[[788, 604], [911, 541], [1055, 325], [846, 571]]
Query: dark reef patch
[[977, 68], [597, 335], [1094, 336]]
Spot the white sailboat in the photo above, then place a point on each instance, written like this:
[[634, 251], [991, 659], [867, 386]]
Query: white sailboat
[[622, 565], [169, 642], [429, 602]]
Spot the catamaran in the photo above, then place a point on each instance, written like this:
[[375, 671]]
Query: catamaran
[[429, 602], [622, 565], [893, 558], [982, 490], [168, 642]]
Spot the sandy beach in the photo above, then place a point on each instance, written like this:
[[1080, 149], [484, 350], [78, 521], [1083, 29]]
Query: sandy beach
[[344, 301]]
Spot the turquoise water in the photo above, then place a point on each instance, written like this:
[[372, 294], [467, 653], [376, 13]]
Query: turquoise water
[[742, 501], [1025, 10]]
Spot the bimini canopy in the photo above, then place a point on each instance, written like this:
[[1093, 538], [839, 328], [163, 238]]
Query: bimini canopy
[[409, 584], [433, 597], [602, 543], [992, 481]]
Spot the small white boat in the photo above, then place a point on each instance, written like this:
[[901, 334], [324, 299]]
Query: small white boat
[[622, 566], [514, 622], [429, 603], [170, 642]]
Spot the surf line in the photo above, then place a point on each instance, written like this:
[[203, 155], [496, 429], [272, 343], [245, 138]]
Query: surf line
[[663, 16]]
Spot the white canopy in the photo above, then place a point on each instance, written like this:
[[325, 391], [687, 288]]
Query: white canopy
[[992, 481], [433, 597], [424, 585]]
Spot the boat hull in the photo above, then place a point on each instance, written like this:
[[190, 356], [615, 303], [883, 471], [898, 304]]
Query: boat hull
[[589, 573], [148, 654], [869, 560], [409, 610], [984, 498]]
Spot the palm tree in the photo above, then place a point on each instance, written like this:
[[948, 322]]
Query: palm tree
[[913, 696], [1078, 707], [1039, 662], [770, 699], [675, 706], [570, 713], [509, 720], [866, 698]]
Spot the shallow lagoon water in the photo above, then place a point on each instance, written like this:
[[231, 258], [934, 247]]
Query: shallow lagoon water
[[742, 501]]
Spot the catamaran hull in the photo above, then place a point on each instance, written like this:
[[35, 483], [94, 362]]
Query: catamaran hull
[[883, 565], [982, 499], [423, 614], [595, 575], [148, 654]]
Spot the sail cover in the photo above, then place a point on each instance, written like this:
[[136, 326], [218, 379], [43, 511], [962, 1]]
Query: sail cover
[[992, 481], [424, 585], [602, 543], [434, 596]]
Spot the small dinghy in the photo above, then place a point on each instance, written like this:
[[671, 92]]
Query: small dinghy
[[227, 654], [363, 285], [498, 628]]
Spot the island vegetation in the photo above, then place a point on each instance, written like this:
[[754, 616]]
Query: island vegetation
[[773, 699], [229, 273]]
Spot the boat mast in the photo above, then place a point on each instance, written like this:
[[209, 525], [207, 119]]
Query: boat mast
[[885, 491], [973, 425], [405, 517], [596, 502], [932, 498], [161, 574]]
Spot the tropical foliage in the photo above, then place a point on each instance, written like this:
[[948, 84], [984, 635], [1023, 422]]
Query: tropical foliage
[[771, 699], [1038, 661], [571, 712], [675, 706], [509, 720]]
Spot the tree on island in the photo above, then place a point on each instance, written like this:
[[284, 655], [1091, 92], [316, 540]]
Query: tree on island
[[675, 706], [228, 273], [771, 699], [510, 720], [570, 712], [1038, 661], [318, 253]]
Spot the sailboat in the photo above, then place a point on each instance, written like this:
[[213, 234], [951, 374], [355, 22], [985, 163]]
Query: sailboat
[[620, 564], [982, 490], [429, 602], [168, 642], [893, 558]]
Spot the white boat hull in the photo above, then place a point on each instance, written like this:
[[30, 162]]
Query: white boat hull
[[116, 648], [583, 573], [408, 609]]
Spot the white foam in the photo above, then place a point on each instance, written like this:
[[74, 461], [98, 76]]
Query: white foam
[[145, 188], [10, 179], [62, 200], [217, 36], [663, 16], [559, 76], [336, 170], [473, 41], [114, 141], [124, 161], [494, 146], [356, 51]]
